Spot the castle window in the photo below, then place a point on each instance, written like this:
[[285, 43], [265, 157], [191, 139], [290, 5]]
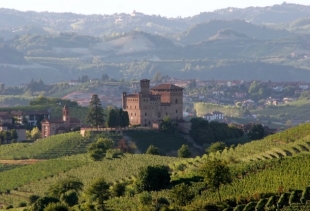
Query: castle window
[[145, 114], [131, 114], [176, 111], [176, 101], [166, 114], [135, 114], [135, 107], [158, 115]]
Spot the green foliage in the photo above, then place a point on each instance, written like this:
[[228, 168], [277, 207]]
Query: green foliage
[[167, 125], [56, 207], [42, 202], [118, 118], [204, 132], [65, 185], [217, 146], [35, 133], [152, 150], [33, 198], [145, 198], [153, 178], [216, 173], [99, 192], [70, 198], [256, 132], [118, 189], [98, 149], [184, 152], [95, 115], [181, 194], [52, 101]]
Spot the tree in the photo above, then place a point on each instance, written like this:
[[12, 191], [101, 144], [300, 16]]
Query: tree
[[14, 134], [184, 152], [167, 125], [42, 202], [65, 185], [153, 178], [181, 194], [113, 118], [216, 173], [99, 192], [256, 132], [35, 133], [124, 118], [152, 150], [95, 115], [98, 149], [217, 146]]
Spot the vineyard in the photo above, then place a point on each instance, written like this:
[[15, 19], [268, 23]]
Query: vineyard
[[267, 174], [51, 147]]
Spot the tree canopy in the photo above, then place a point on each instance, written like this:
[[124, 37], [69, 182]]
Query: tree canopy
[[95, 115], [216, 173]]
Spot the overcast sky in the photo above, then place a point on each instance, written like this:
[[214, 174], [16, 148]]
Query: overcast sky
[[168, 8]]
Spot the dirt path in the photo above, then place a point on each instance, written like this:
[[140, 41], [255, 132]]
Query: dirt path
[[20, 162]]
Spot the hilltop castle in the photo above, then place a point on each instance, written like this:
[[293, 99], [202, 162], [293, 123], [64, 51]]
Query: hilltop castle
[[153, 104]]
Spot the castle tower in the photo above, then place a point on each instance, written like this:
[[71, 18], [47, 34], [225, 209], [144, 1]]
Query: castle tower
[[145, 87], [66, 116]]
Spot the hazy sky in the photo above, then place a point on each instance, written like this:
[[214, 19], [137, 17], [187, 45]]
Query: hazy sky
[[169, 8]]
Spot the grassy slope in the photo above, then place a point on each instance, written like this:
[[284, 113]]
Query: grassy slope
[[166, 142]]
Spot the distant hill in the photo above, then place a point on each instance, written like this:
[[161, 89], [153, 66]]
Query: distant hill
[[10, 55], [97, 25], [204, 31], [279, 13]]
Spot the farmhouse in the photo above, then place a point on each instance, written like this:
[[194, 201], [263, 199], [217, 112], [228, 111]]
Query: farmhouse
[[62, 125], [153, 104]]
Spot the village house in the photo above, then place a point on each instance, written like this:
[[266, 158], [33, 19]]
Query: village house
[[6, 123], [62, 125], [215, 115], [31, 117]]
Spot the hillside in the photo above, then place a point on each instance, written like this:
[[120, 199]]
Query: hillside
[[265, 165], [203, 31]]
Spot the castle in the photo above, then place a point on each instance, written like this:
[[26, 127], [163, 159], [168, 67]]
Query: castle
[[153, 104], [61, 125]]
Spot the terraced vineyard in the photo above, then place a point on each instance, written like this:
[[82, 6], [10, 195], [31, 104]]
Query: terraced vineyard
[[38, 177], [274, 166], [51, 147]]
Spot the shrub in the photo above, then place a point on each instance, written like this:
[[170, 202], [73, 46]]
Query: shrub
[[239, 207], [145, 198], [22, 204], [42, 202], [184, 152], [181, 194], [118, 190], [33, 198], [56, 207], [152, 150], [153, 178]]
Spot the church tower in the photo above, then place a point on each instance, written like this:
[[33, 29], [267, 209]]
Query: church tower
[[66, 116]]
